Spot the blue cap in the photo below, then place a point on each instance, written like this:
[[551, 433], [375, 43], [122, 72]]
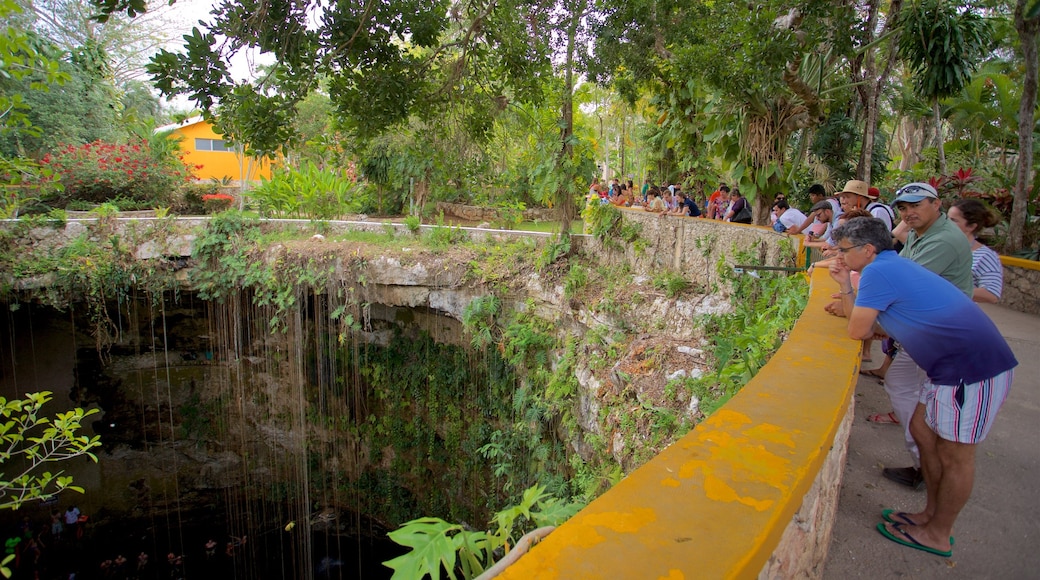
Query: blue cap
[[915, 192]]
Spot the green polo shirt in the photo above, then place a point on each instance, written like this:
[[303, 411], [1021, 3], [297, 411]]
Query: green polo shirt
[[943, 249]]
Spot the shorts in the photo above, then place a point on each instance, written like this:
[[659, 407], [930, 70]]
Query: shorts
[[964, 413]]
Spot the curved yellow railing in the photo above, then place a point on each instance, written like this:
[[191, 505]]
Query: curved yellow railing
[[717, 503]]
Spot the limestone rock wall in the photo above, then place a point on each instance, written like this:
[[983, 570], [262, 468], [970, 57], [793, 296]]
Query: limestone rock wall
[[1020, 288], [696, 247]]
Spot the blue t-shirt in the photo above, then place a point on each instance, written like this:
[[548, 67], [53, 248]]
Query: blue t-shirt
[[691, 207], [942, 330]]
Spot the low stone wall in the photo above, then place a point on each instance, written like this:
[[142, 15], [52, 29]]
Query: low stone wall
[[476, 213], [696, 247], [1021, 285]]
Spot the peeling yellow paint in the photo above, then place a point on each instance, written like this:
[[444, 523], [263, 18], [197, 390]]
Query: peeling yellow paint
[[771, 433], [731, 419], [719, 490], [754, 460], [673, 575], [621, 521], [670, 482], [690, 468]]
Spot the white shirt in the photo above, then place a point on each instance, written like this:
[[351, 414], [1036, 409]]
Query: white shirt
[[792, 217]]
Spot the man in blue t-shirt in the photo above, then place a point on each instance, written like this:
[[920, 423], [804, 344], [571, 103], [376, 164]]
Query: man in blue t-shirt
[[931, 242], [969, 368]]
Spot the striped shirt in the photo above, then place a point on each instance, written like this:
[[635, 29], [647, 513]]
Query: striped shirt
[[986, 270]]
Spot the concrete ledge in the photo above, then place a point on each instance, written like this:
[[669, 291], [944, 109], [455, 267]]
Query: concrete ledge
[[751, 491]]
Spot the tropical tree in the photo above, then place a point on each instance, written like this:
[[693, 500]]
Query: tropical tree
[[79, 110], [22, 55], [986, 112], [126, 42], [1027, 23], [868, 78], [761, 71], [941, 43]]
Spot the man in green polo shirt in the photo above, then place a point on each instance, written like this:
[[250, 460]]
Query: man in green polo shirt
[[933, 242]]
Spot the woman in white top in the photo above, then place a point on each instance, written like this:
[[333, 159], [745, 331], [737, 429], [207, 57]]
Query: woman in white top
[[987, 273]]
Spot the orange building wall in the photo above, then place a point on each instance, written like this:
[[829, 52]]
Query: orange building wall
[[218, 164]]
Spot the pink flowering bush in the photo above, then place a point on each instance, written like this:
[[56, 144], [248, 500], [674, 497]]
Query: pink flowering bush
[[98, 172]]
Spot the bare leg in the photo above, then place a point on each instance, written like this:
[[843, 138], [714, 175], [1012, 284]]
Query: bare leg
[[931, 465], [952, 490], [883, 369]]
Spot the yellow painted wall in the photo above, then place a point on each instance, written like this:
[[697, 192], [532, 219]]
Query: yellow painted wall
[[1019, 263], [716, 503], [218, 164]]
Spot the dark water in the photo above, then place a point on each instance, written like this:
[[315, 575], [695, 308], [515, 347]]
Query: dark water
[[41, 349], [271, 554]]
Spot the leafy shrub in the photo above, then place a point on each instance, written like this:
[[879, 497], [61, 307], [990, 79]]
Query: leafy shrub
[[217, 202], [604, 221], [441, 236], [99, 172], [556, 248], [413, 222], [310, 192], [672, 283], [577, 278], [191, 195], [510, 214]]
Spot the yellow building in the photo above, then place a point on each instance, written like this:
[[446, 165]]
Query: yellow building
[[218, 159]]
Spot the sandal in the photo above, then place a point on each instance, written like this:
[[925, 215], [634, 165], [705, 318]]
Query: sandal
[[884, 418]]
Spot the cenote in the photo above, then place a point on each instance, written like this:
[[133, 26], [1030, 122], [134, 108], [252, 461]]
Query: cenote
[[299, 398]]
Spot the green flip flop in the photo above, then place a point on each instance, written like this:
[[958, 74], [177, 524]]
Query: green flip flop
[[889, 516], [905, 539]]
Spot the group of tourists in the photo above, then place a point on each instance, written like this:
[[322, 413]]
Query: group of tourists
[[948, 370], [61, 549], [910, 275], [670, 199], [34, 543]]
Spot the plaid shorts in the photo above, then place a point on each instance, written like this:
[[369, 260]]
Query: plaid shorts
[[964, 413]]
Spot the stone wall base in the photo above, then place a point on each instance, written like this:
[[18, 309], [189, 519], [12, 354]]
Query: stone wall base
[[802, 551], [1020, 289]]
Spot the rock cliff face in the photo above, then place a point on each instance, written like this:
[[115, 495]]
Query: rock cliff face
[[342, 377]]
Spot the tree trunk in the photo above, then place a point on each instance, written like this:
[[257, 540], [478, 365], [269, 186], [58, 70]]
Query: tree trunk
[[874, 83], [422, 191], [1027, 35], [763, 205], [866, 151], [564, 200], [939, 137]]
